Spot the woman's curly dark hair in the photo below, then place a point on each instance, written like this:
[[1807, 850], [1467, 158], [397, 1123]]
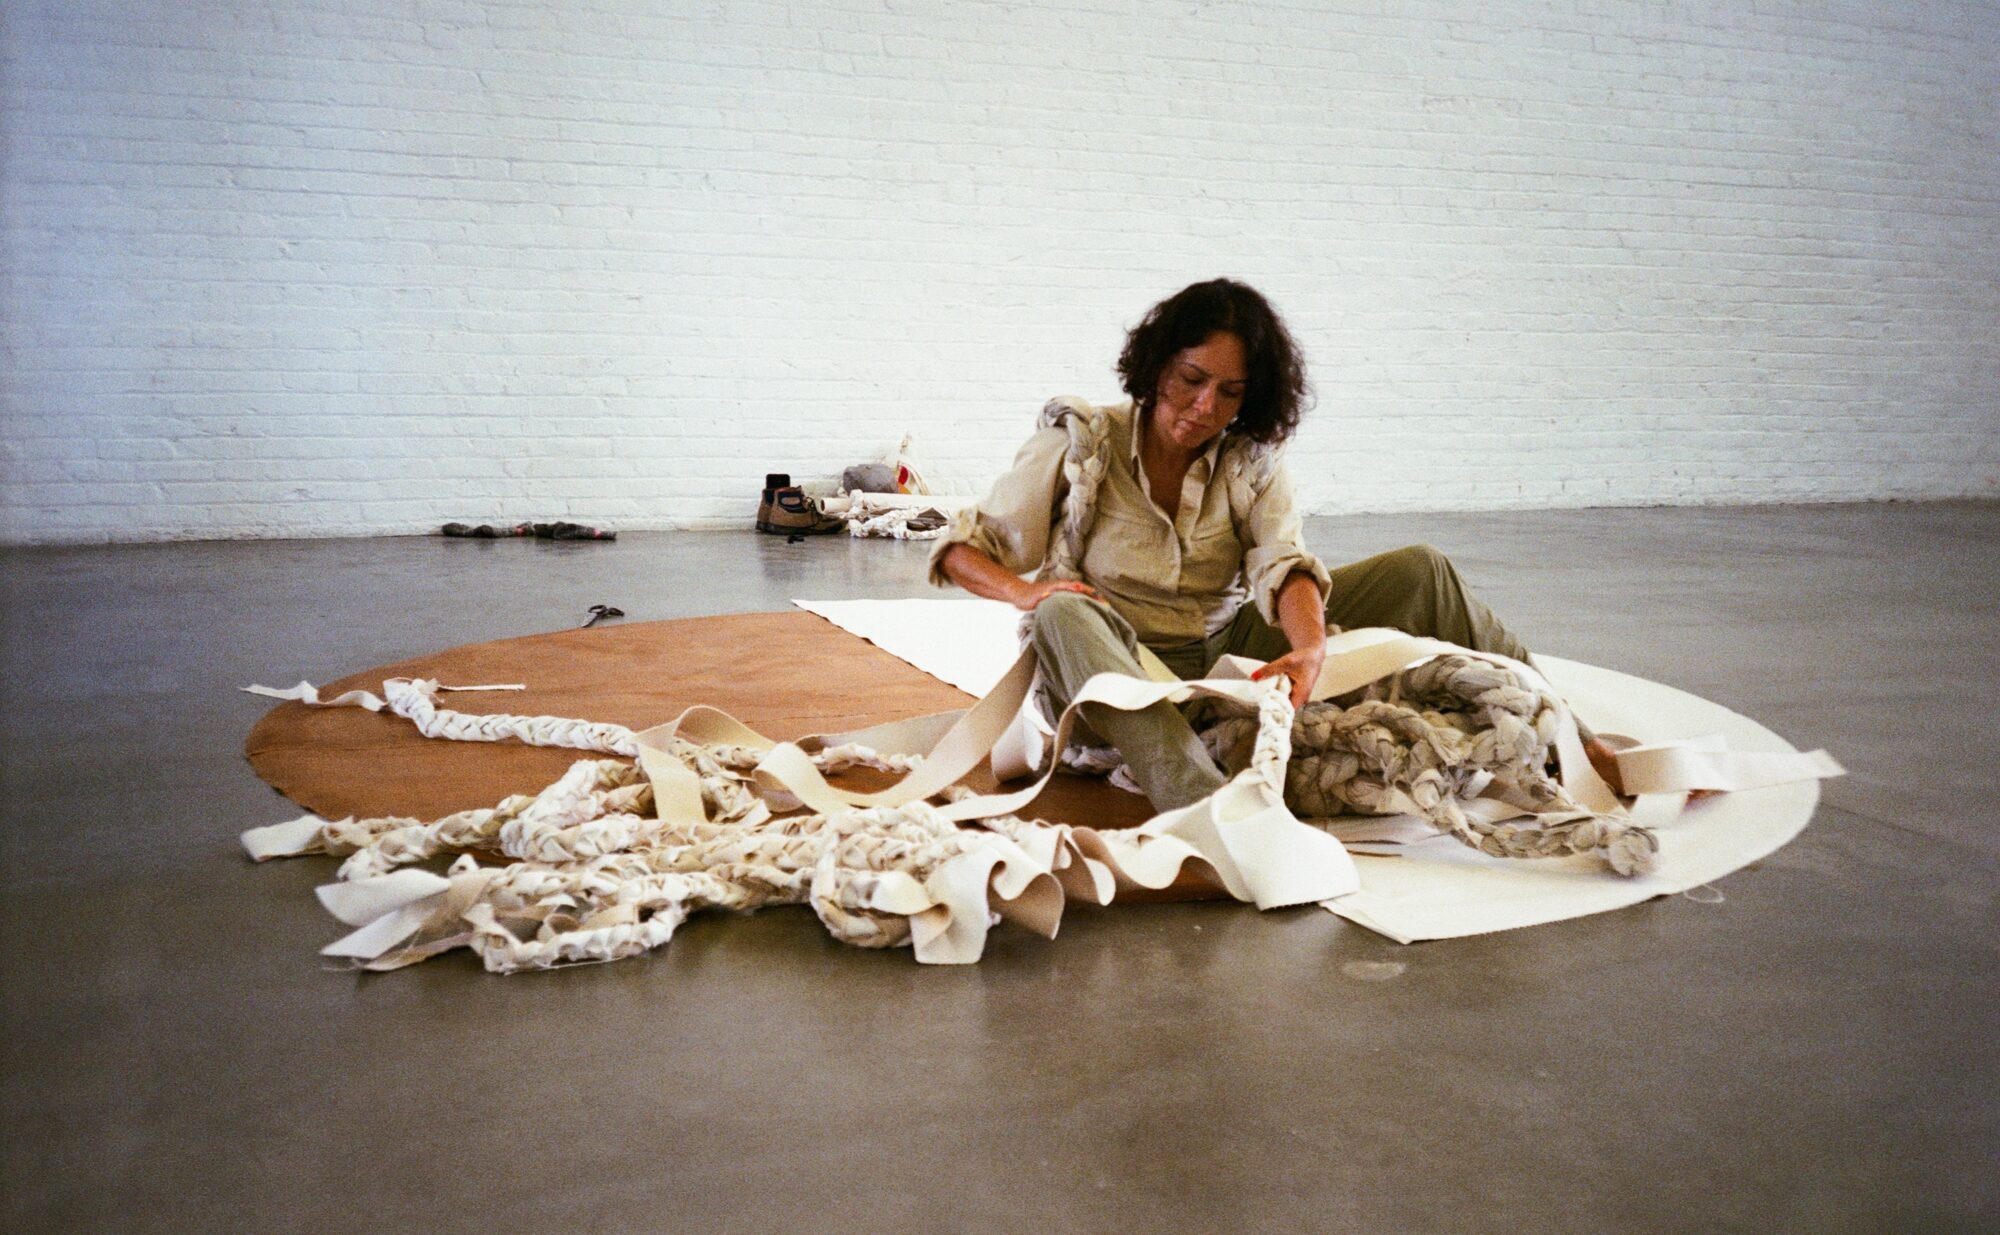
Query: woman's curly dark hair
[[1276, 394]]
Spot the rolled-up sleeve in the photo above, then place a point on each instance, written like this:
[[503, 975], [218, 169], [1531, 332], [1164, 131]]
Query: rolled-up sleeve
[[1275, 537], [1011, 523]]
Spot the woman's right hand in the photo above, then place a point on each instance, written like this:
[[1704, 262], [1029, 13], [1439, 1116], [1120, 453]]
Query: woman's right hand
[[973, 570], [1030, 594]]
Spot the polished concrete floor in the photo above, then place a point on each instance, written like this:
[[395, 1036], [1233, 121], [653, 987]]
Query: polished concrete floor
[[1814, 1053]]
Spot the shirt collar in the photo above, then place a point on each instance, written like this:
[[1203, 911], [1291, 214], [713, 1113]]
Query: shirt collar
[[1203, 467]]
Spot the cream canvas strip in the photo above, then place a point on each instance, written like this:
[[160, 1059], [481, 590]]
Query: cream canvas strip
[[788, 768], [285, 840], [1258, 849], [1674, 767]]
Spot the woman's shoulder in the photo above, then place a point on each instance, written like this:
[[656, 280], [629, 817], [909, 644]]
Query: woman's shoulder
[[1249, 468]]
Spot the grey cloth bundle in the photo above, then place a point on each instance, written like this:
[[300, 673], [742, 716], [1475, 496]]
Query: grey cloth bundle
[[869, 478]]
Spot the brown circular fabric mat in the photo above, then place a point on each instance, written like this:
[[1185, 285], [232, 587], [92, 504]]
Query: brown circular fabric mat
[[783, 674]]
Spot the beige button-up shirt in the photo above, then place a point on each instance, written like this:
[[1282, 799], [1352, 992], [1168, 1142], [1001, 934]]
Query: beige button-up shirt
[[1176, 580]]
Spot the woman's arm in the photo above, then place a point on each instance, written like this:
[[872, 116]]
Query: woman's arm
[[1302, 616], [1009, 527], [976, 572]]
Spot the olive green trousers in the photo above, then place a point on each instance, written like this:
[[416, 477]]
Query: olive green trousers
[[1414, 589]]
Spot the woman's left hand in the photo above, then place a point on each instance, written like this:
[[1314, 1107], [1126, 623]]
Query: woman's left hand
[[1302, 666]]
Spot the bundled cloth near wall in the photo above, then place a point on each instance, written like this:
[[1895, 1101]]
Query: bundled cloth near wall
[[606, 861]]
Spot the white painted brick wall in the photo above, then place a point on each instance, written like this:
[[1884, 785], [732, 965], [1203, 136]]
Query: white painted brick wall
[[305, 267]]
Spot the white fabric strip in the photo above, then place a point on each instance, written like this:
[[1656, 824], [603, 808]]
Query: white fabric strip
[[1676, 767], [1261, 852], [285, 840]]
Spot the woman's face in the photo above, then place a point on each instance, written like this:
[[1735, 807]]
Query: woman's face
[[1201, 390]]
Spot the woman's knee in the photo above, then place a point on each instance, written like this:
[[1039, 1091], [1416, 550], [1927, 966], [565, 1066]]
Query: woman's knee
[[1422, 562], [1075, 637], [1060, 615]]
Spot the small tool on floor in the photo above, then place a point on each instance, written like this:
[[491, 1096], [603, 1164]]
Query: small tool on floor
[[598, 613]]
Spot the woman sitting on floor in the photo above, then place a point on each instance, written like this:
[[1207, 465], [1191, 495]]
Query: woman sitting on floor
[[1194, 547]]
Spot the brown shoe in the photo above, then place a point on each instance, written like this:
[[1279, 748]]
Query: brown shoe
[[792, 513], [773, 481]]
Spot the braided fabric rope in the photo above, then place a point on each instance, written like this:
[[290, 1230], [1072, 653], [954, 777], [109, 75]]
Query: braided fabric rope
[[1083, 464], [589, 872], [1083, 467], [1433, 739], [415, 699], [596, 876]]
